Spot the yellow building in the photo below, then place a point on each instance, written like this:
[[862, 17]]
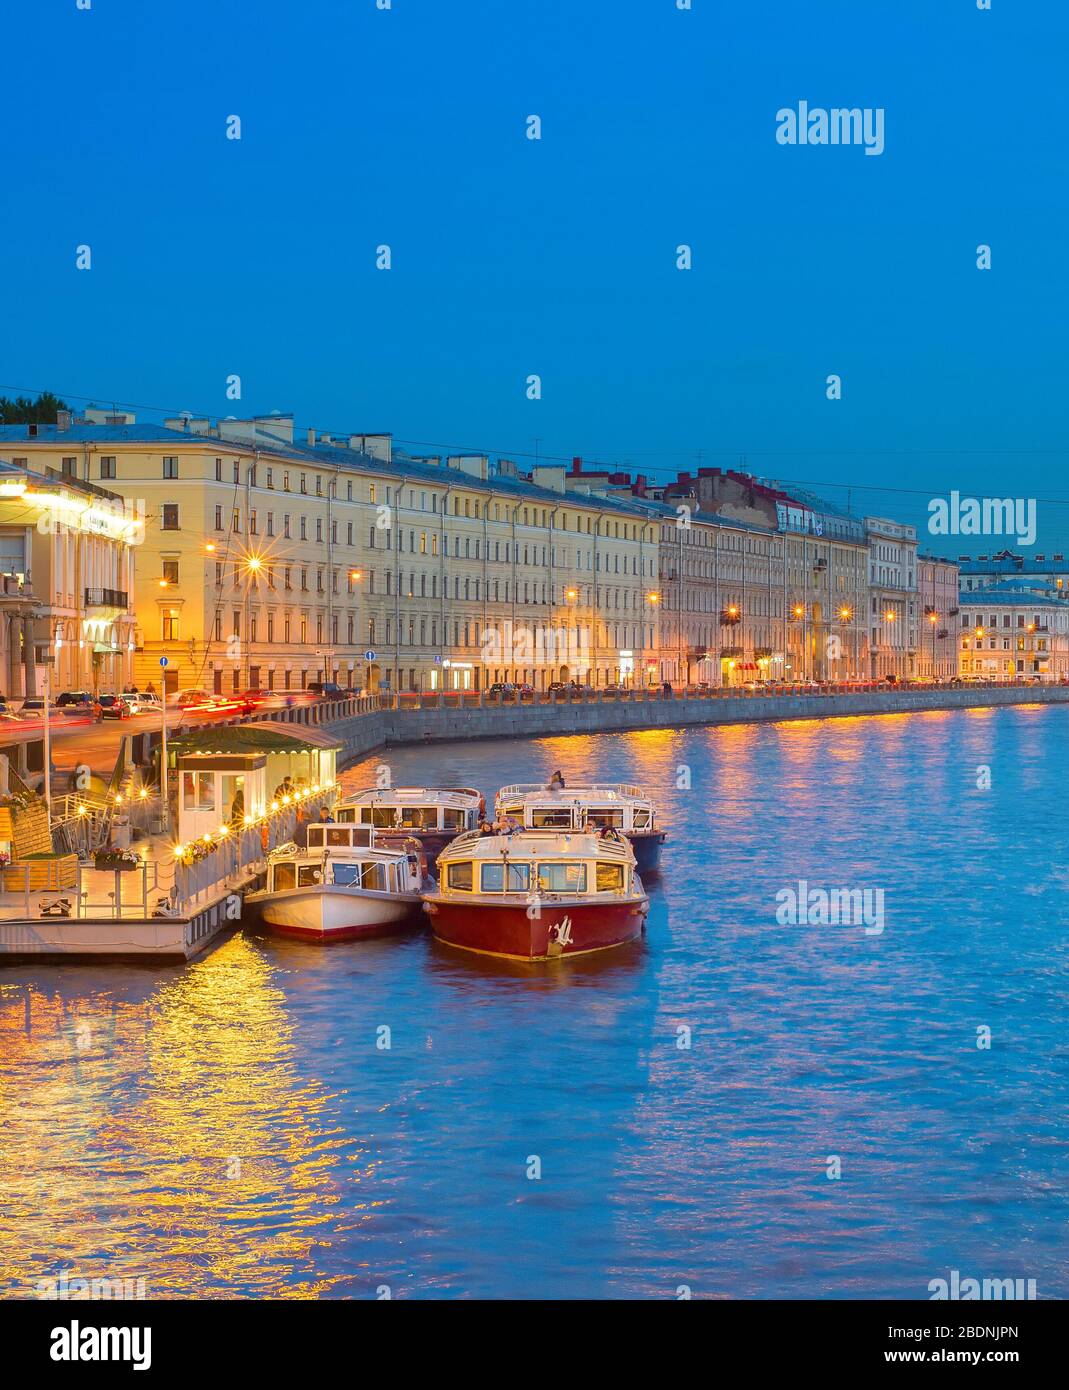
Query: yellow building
[[274, 562], [66, 581]]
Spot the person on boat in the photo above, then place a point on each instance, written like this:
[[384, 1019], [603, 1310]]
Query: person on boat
[[557, 780], [485, 829], [607, 832], [325, 818]]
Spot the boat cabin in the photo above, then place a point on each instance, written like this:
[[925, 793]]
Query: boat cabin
[[449, 809], [537, 866], [346, 855], [613, 804]]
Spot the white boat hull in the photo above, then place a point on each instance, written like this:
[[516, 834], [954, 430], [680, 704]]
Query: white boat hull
[[333, 912]]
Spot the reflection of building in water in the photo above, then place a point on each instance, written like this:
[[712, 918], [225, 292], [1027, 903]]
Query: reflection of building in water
[[179, 1114]]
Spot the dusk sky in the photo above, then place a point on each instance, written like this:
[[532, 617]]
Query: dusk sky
[[557, 257]]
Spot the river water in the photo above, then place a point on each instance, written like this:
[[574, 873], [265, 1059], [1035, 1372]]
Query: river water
[[735, 1106]]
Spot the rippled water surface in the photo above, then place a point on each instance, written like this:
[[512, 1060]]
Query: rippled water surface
[[230, 1127]]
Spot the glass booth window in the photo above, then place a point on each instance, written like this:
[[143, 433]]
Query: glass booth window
[[198, 791]]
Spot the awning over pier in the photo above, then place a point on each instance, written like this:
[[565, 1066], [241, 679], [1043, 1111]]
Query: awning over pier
[[251, 738]]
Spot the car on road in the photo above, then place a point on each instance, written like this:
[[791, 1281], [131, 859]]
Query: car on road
[[190, 699], [114, 707], [502, 690], [33, 707]]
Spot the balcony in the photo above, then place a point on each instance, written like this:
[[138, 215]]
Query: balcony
[[106, 598]]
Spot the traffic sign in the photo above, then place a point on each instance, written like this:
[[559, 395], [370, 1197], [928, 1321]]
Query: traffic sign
[[163, 661], [369, 655]]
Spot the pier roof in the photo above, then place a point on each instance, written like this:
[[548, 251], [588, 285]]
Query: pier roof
[[252, 738]]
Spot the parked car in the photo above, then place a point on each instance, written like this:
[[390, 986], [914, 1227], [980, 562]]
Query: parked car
[[77, 702], [143, 702], [325, 690], [502, 690], [114, 707]]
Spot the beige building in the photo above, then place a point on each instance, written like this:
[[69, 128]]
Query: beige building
[[66, 579], [894, 637], [1014, 629], [270, 561], [937, 597]]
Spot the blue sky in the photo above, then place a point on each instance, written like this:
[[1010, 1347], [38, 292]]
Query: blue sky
[[557, 257]]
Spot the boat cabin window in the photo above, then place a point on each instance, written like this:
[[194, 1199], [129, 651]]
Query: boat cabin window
[[285, 876], [339, 835], [516, 810], [602, 815], [551, 817], [610, 878], [641, 820], [419, 817], [308, 875], [381, 816], [495, 881], [373, 876], [346, 814], [562, 878], [453, 819], [459, 876]]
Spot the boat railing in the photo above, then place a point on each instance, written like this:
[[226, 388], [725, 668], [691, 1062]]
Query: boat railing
[[623, 789]]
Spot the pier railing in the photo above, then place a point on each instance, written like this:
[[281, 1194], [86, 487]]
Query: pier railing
[[231, 857]]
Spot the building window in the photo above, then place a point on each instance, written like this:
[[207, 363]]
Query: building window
[[218, 470], [170, 516], [170, 466], [252, 521], [107, 465], [170, 625], [218, 518], [170, 571], [68, 467]]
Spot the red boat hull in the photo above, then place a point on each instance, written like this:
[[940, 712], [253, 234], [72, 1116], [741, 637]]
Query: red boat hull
[[503, 929]]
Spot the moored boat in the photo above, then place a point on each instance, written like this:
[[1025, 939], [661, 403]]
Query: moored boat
[[623, 808], [433, 816], [537, 895], [343, 886]]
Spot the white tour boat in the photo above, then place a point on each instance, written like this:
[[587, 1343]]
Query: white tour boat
[[538, 806], [344, 885], [431, 815]]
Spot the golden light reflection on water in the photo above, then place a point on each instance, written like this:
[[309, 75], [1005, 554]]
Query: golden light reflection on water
[[168, 1137]]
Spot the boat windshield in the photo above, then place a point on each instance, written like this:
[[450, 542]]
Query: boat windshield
[[494, 879], [610, 878], [370, 875], [285, 876], [561, 878]]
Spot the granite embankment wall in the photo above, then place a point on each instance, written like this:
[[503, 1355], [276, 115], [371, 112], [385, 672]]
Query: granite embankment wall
[[363, 733]]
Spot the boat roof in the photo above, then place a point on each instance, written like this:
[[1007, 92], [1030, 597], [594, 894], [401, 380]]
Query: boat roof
[[607, 792], [376, 847], [536, 844], [408, 796]]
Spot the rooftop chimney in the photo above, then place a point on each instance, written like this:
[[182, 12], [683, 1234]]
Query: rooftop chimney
[[311, 439], [63, 420]]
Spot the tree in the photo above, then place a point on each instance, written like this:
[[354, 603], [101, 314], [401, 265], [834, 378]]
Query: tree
[[24, 411]]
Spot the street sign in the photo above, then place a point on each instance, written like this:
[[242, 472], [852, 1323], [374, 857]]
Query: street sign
[[369, 655], [163, 661]]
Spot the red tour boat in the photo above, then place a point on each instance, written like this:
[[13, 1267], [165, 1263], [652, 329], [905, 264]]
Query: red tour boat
[[534, 895]]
